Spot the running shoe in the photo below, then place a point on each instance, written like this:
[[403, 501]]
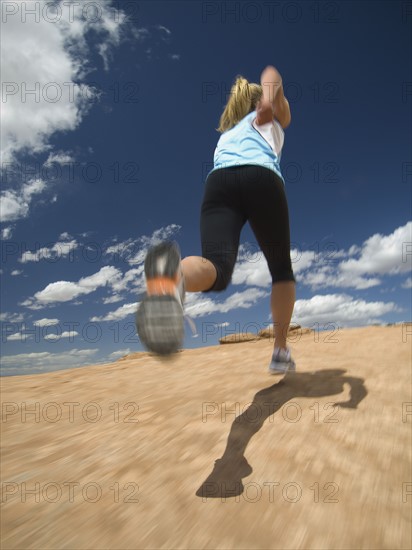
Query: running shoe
[[282, 362], [159, 317]]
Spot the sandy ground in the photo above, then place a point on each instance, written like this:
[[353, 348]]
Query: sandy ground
[[123, 455]]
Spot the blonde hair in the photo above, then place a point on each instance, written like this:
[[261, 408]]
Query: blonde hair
[[243, 99]]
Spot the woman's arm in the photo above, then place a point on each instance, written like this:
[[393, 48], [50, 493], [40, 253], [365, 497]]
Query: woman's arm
[[273, 103]]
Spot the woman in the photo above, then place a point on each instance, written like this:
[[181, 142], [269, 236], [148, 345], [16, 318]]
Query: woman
[[246, 184]]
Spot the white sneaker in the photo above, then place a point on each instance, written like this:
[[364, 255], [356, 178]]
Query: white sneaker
[[282, 362]]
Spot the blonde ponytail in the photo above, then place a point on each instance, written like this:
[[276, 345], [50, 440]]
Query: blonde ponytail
[[243, 99]]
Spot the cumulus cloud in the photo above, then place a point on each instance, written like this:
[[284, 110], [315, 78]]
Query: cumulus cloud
[[65, 291], [383, 254], [65, 334], [59, 250], [340, 310], [19, 336], [331, 276], [120, 313], [16, 204], [196, 305], [251, 266], [112, 299], [7, 232], [44, 59], [199, 306], [359, 267], [407, 283], [62, 157], [362, 267], [11, 317], [45, 322]]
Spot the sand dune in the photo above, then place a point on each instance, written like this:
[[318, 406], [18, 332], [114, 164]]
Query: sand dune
[[145, 453]]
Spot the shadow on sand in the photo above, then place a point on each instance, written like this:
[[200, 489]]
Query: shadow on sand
[[226, 478]]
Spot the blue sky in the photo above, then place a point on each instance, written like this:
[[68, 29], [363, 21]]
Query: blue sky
[[109, 154]]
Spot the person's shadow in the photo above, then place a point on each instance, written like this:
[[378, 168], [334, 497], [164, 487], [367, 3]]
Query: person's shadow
[[226, 477]]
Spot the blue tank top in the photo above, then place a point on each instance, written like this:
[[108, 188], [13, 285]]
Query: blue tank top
[[247, 143]]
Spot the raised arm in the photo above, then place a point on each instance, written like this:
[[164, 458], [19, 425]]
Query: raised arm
[[273, 103]]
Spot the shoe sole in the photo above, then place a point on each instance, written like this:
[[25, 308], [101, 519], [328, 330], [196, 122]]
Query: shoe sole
[[159, 318], [160, 324]]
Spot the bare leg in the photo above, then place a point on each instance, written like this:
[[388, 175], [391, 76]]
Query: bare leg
[[282, 303], [199, 273]]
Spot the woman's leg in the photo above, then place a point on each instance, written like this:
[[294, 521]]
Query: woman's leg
[[282, 303], [200, 274], [268, 215]]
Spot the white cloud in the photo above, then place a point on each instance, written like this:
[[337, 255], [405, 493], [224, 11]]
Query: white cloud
[[112, 299], [65, 334], [331, 276], [11, 317], [134, 250], [7, 232], [360, 268], [62, 157], [339, 310], [198, 306], [356, 267], [251, 270], [45, 322], [59, 250], [135, 277], [383, 254], [16, 204], [19, 336], [65, 291], [65, 236], [407, 283], [251, 267], [51, 59], [120, 313], [16, 272]]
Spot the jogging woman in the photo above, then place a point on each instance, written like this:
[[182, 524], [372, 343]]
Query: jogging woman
[[245, 185]]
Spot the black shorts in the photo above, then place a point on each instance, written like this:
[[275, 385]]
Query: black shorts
[[234, 196]]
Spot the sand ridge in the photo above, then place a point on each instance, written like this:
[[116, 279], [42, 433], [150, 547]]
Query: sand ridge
[[209, 451]]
